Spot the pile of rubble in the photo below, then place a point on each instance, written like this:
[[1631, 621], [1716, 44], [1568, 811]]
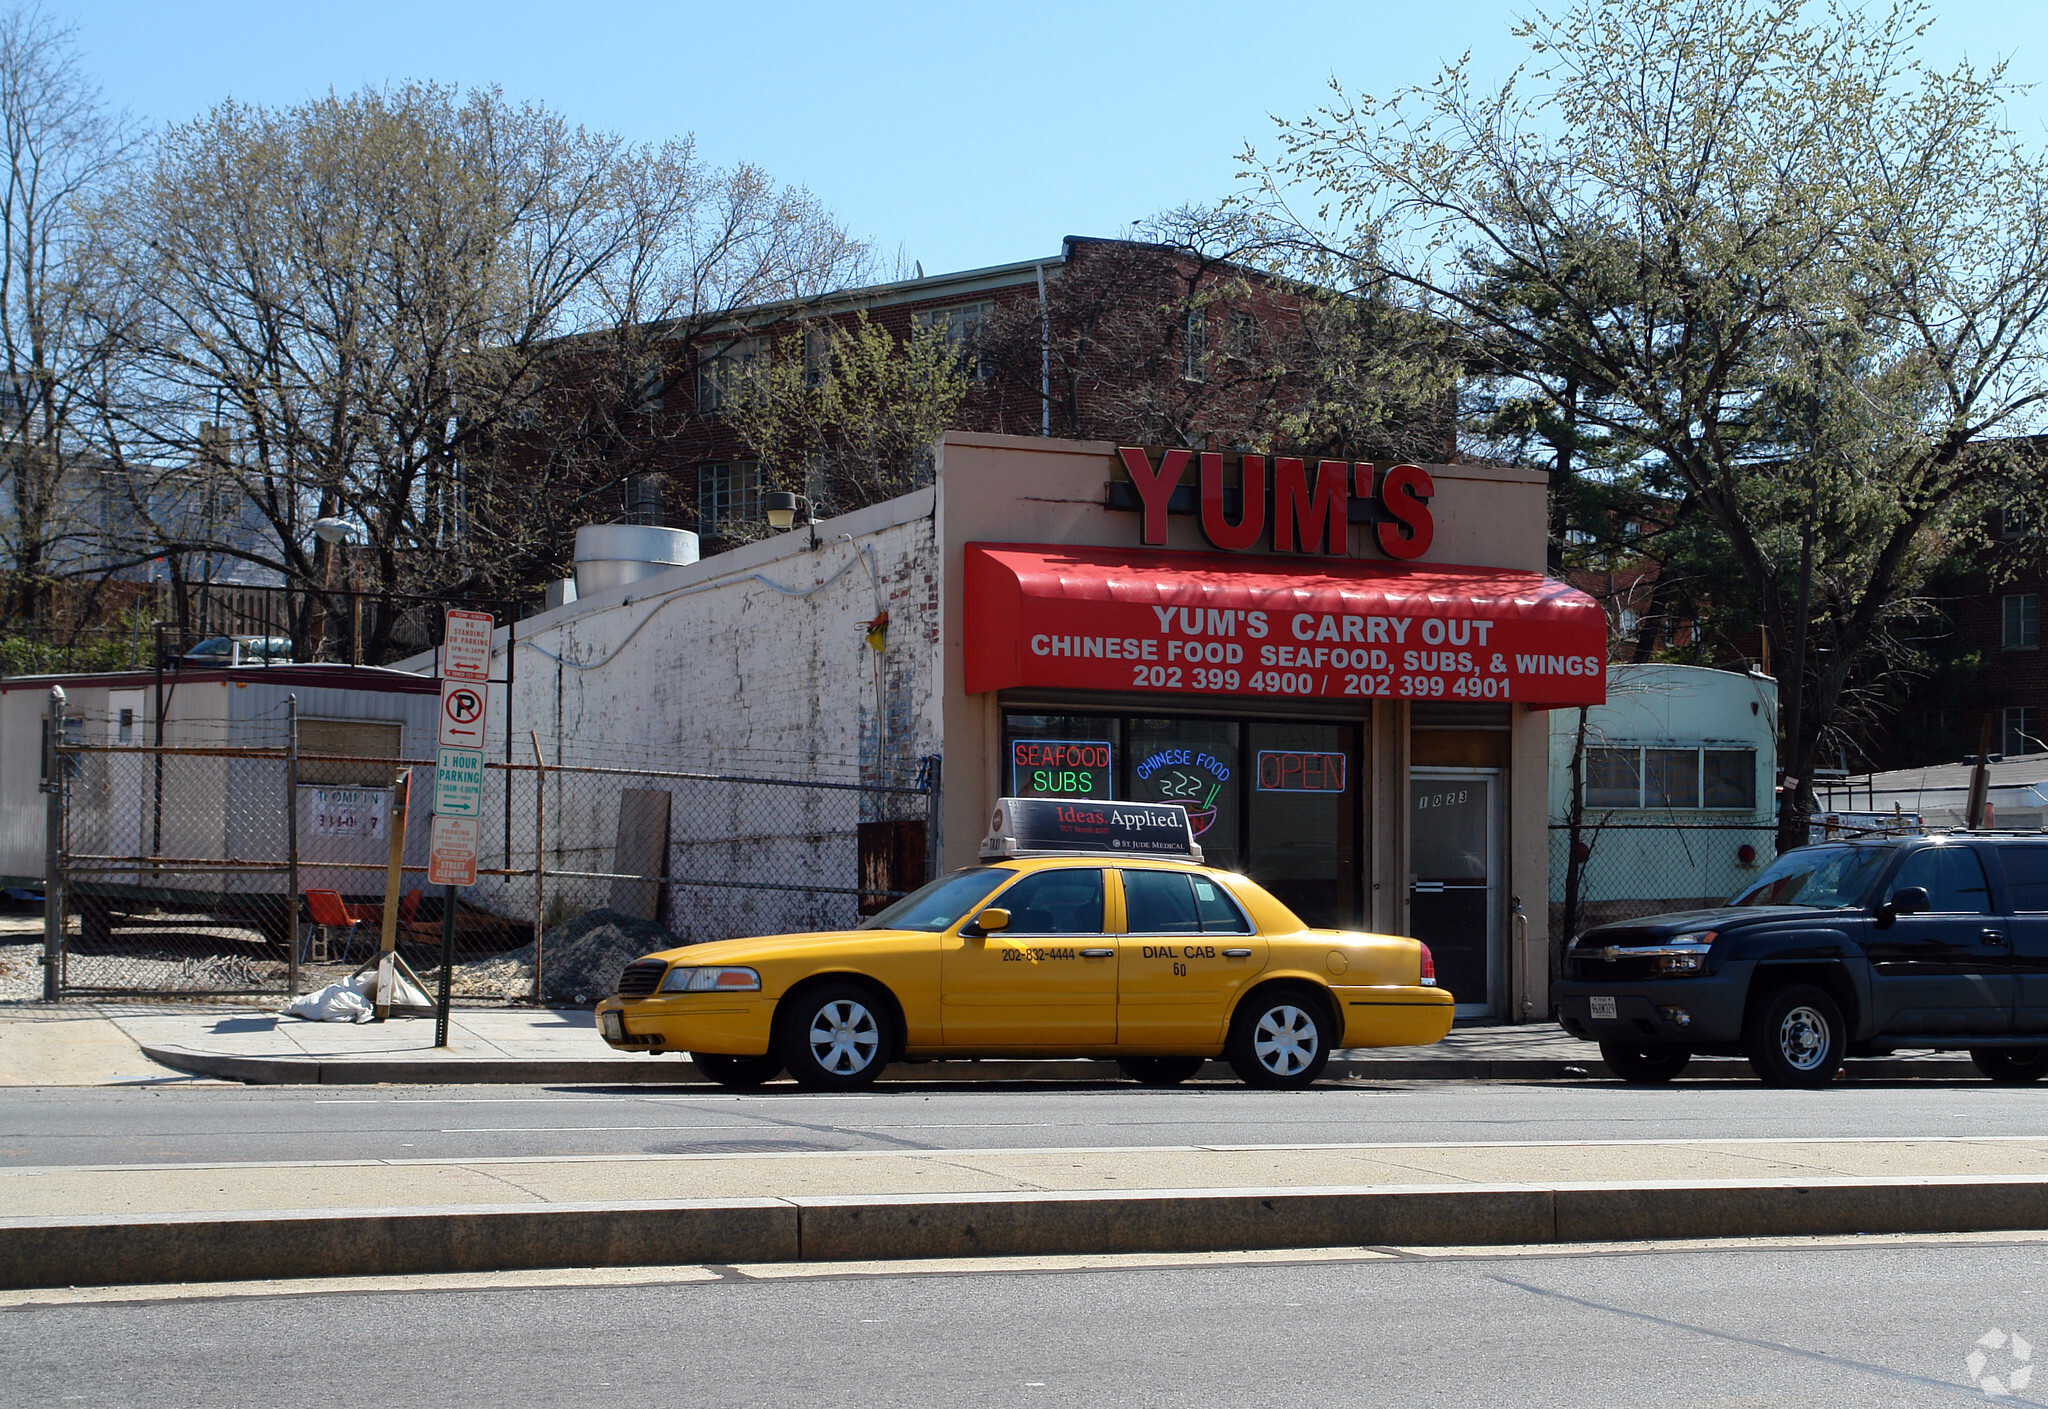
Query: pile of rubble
[[584, 958]]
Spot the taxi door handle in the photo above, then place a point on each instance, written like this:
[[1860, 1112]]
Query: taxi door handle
[[1237, 953], [1097, 953]]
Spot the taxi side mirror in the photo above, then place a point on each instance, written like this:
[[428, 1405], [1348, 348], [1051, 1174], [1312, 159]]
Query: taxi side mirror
[[992, 919]]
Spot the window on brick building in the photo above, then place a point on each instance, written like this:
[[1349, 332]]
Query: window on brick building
[[965, 328], [643, 499], [650, 379], [723, 378], [1244, 334], [2022, 732], [2012, 519], [728, 498], [1194, 346], [817, 355], [2022, 621]]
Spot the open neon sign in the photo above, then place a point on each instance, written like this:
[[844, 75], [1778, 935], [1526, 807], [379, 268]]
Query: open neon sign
[[1299, 771]]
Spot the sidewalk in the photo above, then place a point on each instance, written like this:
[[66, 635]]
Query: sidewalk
[[87, 1043], [98, 1225]]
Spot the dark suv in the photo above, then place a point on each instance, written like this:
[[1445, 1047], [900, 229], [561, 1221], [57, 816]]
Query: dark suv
[[1850, 949]]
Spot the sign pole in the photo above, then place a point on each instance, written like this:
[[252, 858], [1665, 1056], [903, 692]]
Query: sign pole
[[465, 661], [447, 965]]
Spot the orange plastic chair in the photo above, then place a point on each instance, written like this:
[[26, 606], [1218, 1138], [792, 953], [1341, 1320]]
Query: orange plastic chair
[[330, 913]]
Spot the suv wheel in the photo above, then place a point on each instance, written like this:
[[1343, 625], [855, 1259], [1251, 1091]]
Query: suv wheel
[[1644, 1062], [1280, 1038], [833, 1037], [2011, 1066], [1795, 1036]]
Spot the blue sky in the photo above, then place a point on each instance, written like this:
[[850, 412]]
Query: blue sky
[[962, 134]]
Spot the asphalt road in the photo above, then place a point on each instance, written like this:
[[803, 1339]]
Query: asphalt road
[[1881, 1323], [156, 1125]]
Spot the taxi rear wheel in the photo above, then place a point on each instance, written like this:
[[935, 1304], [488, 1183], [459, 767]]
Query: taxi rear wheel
[[834, 1037], [738, 1072], [1280, 1038], [1159, 1071]]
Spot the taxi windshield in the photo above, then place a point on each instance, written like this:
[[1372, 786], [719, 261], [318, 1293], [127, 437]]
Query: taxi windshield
[[935, 906], [1821, 877]]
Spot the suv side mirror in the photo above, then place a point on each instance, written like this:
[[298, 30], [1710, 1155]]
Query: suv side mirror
[[992, 919], [1912, 900]]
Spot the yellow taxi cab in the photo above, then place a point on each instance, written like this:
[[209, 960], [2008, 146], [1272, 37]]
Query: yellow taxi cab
[[1090, 930]]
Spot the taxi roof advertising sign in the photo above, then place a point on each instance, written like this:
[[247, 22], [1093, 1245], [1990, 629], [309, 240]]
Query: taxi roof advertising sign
[[1036, 826]]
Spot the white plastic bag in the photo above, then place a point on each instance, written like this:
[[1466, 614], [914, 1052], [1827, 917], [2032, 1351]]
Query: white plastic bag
[[336, 1003]]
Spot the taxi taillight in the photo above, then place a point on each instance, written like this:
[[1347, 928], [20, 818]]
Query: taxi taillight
[[1428, 964]]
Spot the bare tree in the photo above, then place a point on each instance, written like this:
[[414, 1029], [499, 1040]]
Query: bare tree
[[62, 148], [414, 309]]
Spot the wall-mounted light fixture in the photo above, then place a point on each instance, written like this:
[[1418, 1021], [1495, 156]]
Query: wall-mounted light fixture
[[782, 508]]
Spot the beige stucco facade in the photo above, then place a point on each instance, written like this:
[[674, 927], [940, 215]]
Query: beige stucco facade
[[1007, 489]]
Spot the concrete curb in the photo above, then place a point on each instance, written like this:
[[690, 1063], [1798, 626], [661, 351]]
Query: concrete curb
[[50, 1252], [463, 1071]]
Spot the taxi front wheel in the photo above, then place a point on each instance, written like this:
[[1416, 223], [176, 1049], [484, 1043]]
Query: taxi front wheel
[[1280, 1038], [833, 1037]]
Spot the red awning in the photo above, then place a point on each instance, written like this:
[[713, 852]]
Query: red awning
[[1210, 624]]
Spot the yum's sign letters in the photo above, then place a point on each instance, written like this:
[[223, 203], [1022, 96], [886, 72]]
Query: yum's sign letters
[[1306, 513]]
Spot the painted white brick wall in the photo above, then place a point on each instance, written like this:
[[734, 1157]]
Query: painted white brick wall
[[751, 663]]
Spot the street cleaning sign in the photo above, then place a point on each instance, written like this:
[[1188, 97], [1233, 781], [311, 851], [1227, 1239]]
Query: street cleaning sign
[[459, 783], [451, 852]]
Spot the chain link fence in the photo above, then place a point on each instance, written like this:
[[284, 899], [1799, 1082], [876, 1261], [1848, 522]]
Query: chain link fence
[[1605, 871], [200, 871]]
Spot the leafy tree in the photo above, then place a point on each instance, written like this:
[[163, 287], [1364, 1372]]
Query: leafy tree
[[848, 413], [1805, 275]]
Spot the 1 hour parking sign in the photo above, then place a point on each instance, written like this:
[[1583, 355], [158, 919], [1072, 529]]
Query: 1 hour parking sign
[[459, 783]]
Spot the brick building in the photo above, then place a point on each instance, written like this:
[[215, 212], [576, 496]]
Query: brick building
[[1106, 339]]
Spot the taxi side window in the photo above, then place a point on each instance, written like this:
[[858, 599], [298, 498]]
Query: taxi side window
[[1219, 912], [1055, 902], [1953, 878], [1159, 902]]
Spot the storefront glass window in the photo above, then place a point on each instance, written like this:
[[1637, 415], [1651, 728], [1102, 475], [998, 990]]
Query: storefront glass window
[[1194, 762], [1276, 800], [1304, 810], [1061, 755]]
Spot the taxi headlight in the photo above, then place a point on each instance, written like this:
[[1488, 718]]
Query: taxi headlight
[[721, 980]]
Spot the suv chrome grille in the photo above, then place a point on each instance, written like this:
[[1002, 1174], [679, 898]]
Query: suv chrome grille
[[642, 977]]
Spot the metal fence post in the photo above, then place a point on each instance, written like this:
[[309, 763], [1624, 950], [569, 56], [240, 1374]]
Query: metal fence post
[[540, 856], [291, 841], [53, 845]]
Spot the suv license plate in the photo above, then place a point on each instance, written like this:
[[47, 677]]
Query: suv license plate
[[614, 1026], [1602, 1008]]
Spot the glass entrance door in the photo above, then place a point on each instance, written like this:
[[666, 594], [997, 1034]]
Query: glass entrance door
[[1454, 870]]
